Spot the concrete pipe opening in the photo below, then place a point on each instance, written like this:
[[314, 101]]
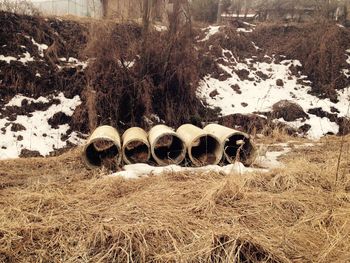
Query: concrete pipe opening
[[136, 148], [166, 146], [203, 148], [237, 145], [103, 148]]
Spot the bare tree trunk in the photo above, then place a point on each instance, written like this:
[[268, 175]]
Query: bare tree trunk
[[145, 29], [218, 18], [174, 18], [104, 4]]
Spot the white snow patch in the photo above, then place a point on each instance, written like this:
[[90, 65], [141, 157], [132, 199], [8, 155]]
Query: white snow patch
[[255, 46], [134, 171], [127, 64], [244, 30], [212, 30], [76, 63], [238, 16], [259, 94], [346, 73], [17, 100], [7, 59], [249, 24], [26, 58], [270, 159], [160, 28], [41, 47], [319, 126], [38, 134]]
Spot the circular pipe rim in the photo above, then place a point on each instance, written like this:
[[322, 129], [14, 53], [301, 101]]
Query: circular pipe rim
[[181, 156]]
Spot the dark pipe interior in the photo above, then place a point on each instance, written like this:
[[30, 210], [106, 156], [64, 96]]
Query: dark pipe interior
[[105, 157], [169, 148], [205, 152], [231, 148], [137, 152]]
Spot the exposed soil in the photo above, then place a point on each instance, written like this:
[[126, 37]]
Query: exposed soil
[[288, 110]]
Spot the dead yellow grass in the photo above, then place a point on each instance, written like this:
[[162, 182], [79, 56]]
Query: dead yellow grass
[[53, 210]]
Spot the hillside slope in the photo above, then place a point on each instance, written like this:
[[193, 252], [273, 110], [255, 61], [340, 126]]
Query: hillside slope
[[60, 78]]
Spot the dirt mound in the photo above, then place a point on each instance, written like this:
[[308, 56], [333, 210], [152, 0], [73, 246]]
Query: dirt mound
[[47, 42], [43, 59], [320, 47], [288, 110]]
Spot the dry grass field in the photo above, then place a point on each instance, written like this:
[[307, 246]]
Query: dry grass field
[[54, 210]]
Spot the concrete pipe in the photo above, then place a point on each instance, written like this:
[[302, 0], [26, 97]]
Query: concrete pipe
[[203, 148], [166, 146], [237, 145], [136, 148], [103, 148]]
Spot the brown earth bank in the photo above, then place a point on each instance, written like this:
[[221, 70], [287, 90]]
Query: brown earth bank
[[129, 81], [55, 210]]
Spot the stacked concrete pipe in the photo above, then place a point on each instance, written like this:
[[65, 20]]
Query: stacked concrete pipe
[[237, 145], [136, 148], [103, 148], [203, 148], [167, 147]]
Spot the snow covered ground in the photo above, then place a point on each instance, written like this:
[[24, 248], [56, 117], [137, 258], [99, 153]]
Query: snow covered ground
[[23, 131], [267, 83], [32, 131], [264, 163]]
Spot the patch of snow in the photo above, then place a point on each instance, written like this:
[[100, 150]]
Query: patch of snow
[[127, 64], [259, 94], [160, 28], [244, 30], [37, 75], [270, 159], [7, 59], [346, 73], [17, 100], [249, 24], [26, 58], [38, 134], [238, 16], [76, 63], [255, 46], [134, 171], [341, 26], [212, 30], [319, 126], [41, 47], [154, 118], [267, 161]]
